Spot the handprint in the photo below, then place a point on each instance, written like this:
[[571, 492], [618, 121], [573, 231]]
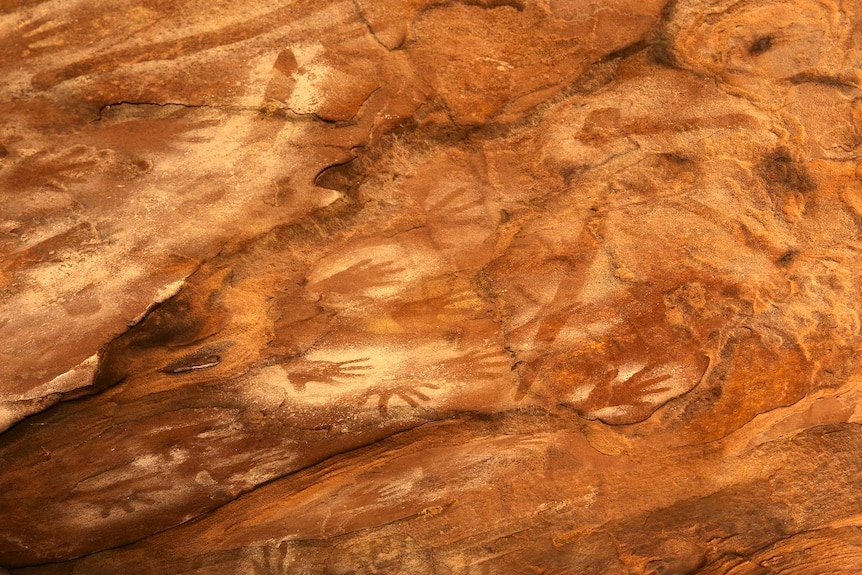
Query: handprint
[[616, 396], [193, 132], [365, 274], [408, 393], [56, 170], [41, 35], [127, 502], [460, 225], [618, 372], [479, 365], [271, 560], [161, 129], [646, 383], [639, 389], [459, 302], [326, 372], [457, 207], [436, 312]]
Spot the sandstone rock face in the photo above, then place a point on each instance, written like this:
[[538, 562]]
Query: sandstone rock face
[[412, 286]]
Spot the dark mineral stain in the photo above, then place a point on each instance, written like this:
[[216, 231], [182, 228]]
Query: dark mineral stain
[[662, 54], [661, 51], [571, 173], [491, 4], [822, 79], [760, 45], [778, 169], [676, 158], [143, 165], [786, 258], [175, 324], [626, 51]]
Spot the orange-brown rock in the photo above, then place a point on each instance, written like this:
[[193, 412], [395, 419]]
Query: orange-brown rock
[[413, 286]]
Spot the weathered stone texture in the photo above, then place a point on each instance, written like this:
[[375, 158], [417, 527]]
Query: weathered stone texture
[[414, 286]]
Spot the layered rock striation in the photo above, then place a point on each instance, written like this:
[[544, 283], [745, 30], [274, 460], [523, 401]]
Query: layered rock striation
[[414, 286]]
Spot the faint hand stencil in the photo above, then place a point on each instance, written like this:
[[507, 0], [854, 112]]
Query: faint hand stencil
[[409, 393], [41, 36], [637, 390], [272, 560], [458, 207], [479, 365], [364, 274], [57, 170], [326, 372], [127, 503]]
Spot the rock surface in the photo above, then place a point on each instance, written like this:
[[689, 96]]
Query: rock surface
[[413, 286]]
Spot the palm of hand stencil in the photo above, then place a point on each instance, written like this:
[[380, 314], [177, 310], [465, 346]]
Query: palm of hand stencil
[[364, 274], [479, 365], [459, 303], [619, 372], [127, 503], [628, 393], [40, 36], [638, 390], [457, 208], [190, 132], [439, 313], [272, 560], [326, 372], [57, 170], [409, 393]]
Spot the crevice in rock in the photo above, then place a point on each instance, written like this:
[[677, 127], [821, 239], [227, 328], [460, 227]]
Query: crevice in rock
[[625, 51], [282, 112], [661, 40], [823, 80], [367, 24]]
